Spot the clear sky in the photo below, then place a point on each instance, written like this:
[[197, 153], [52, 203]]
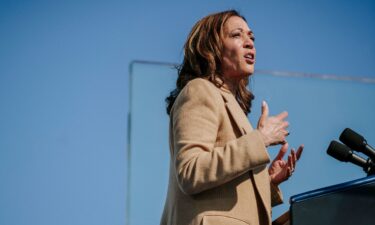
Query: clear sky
[[64, 86]]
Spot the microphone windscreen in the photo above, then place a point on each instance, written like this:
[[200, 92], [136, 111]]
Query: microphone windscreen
[[339, 151], [352, 139]]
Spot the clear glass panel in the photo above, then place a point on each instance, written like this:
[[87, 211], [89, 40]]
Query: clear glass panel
[[149, 156], [319, 109]]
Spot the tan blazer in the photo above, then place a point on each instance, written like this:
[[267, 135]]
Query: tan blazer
[[218, 172]]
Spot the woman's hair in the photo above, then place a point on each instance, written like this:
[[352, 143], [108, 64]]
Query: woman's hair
[[202, 58]]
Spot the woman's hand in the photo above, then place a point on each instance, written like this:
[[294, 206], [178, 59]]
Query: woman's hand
[[280, 170], [272, 129]]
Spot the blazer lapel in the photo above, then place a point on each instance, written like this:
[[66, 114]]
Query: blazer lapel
[[238, 116], [243, 124]]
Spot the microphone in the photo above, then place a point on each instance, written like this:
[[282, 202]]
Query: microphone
[[345, 154], [357, 142]]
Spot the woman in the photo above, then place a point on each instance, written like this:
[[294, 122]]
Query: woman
[[218, 167]]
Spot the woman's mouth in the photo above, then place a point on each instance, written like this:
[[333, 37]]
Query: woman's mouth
[[249, 57]]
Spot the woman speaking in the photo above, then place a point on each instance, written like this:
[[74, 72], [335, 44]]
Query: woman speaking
[[218, 163]]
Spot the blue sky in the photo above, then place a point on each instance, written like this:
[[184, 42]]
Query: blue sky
[[64, 86]]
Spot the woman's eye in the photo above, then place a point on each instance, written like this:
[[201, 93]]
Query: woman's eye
[[236, 35]]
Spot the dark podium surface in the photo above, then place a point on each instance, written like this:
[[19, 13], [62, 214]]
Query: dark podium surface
[[342, 204]]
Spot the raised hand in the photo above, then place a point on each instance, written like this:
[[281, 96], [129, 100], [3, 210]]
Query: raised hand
[[272, 129], [280, 170]]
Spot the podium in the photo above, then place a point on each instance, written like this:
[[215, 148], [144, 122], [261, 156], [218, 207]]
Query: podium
[[350, 203]]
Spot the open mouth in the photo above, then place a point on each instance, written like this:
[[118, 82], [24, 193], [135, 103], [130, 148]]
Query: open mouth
[[250, 57]]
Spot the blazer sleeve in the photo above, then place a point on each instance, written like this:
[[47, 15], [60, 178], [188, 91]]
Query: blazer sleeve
[[199, 165]]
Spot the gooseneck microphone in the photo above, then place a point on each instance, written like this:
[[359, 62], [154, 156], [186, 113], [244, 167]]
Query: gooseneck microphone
[[357, 142], [345, 154]]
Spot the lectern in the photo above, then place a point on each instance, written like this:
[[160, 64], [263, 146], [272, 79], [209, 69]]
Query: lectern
[[350, 203]]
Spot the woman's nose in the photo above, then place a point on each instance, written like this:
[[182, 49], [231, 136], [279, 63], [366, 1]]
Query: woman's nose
[[249, 43]]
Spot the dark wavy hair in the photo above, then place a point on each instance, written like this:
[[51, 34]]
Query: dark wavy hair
[[202, 58]]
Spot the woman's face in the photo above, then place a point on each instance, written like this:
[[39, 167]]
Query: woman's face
[[238, 54]]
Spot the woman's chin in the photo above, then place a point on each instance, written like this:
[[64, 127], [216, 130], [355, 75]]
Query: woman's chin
[[250, 72]]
